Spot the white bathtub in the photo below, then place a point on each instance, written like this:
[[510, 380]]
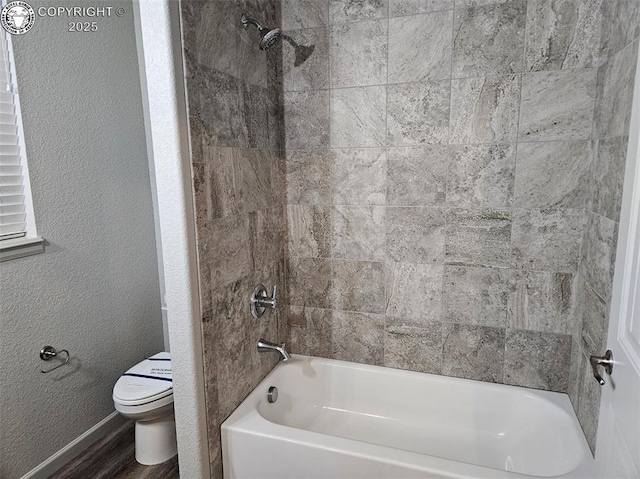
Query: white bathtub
[[335, 419]]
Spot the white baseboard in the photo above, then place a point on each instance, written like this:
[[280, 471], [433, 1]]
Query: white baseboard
[[75, 447]]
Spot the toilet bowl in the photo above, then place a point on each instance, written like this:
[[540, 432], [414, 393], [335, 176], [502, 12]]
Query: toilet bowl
[[145, 394]]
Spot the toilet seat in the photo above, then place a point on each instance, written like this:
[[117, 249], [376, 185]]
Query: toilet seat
[[146, 383], [145, 394]]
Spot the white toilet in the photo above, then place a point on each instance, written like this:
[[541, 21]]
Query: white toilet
[[145, 394]]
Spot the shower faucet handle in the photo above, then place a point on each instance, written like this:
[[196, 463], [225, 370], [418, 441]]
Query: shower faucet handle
[[260, 300]]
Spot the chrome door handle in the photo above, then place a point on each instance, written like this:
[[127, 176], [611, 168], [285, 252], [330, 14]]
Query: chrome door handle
[[606, 361]]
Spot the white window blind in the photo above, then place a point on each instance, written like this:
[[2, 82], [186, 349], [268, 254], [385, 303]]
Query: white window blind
[[14, 186]]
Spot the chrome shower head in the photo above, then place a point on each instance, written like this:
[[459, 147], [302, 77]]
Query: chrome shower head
[[268, 36]]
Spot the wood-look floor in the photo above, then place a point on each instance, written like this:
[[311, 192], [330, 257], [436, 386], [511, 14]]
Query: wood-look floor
[[113, 457]]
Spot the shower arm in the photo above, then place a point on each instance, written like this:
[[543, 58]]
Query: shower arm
[[246, 20]]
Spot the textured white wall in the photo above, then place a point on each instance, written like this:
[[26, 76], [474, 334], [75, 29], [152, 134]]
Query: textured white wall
[[164, 96], [95, 289]]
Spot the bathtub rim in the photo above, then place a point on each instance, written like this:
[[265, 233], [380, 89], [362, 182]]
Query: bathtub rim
[[247, 419]]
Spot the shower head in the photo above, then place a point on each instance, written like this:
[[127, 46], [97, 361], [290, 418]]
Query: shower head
[[268, 36]]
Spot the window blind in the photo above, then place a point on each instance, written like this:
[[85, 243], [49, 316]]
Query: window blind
[[13, 208]]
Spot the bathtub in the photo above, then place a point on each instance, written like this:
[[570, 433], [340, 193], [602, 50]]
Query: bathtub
[[335, 419]]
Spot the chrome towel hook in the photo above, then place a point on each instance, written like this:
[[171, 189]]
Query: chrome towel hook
[[49, 352]]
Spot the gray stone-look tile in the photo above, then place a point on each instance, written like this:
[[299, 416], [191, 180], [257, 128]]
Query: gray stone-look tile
[[537, 360], [220, 191], [251, 61], [557, 105], [414, 292], [485, 109], [358, 232], [311, 331], [473, 352], [309, 231], [589, 404], [599, 253], [358, 286], [478, 3], [553, 174], [399, 8], [309, 282], [220, 109], [254, 173], [489, 39], [304, 13], [480, 237], [305, 59], [481, 176], [416, 176], [615, 93], [275, 118], [311, 342], [418, 113], [562, 34], [476, 295], [341, 11], [359, 54], [620, 25], [609, 176], [266, 238], [190, 15], [415, 235], [358, 117], [257, 108], [595, 322], [217, 36], [308, 176], [359, 176], [234, 376], [230, 309], [420, 47], [547, 240], [541, 301], [358, 337], [309, 318], [306, 119], [416, 349], [229, 237], [575, 374], [204, 210]]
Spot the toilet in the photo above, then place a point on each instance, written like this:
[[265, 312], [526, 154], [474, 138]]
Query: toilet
[[145, 394]]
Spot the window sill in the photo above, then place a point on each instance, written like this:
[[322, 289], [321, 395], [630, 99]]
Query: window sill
[[20, 247]]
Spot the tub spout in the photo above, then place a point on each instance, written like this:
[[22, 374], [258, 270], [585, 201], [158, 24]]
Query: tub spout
[[266, 346]]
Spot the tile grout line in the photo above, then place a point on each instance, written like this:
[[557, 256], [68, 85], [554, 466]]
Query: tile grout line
[[515, 168], [329, 158], [446, 181], [437, 80], [386, 193]]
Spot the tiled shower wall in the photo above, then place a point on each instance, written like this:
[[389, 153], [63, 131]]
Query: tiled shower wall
[[440, 158], [235, 111], [619, 53]]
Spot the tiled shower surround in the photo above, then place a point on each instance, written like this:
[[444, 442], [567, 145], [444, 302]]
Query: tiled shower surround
[[433, 185], [454, 173], [235, 112]]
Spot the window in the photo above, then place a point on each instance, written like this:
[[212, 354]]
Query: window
[[18, 235]]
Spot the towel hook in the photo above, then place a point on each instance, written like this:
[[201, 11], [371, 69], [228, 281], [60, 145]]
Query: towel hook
[[48, 352]]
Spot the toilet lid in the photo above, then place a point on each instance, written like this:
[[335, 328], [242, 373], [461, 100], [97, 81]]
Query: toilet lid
[[148, 379]]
